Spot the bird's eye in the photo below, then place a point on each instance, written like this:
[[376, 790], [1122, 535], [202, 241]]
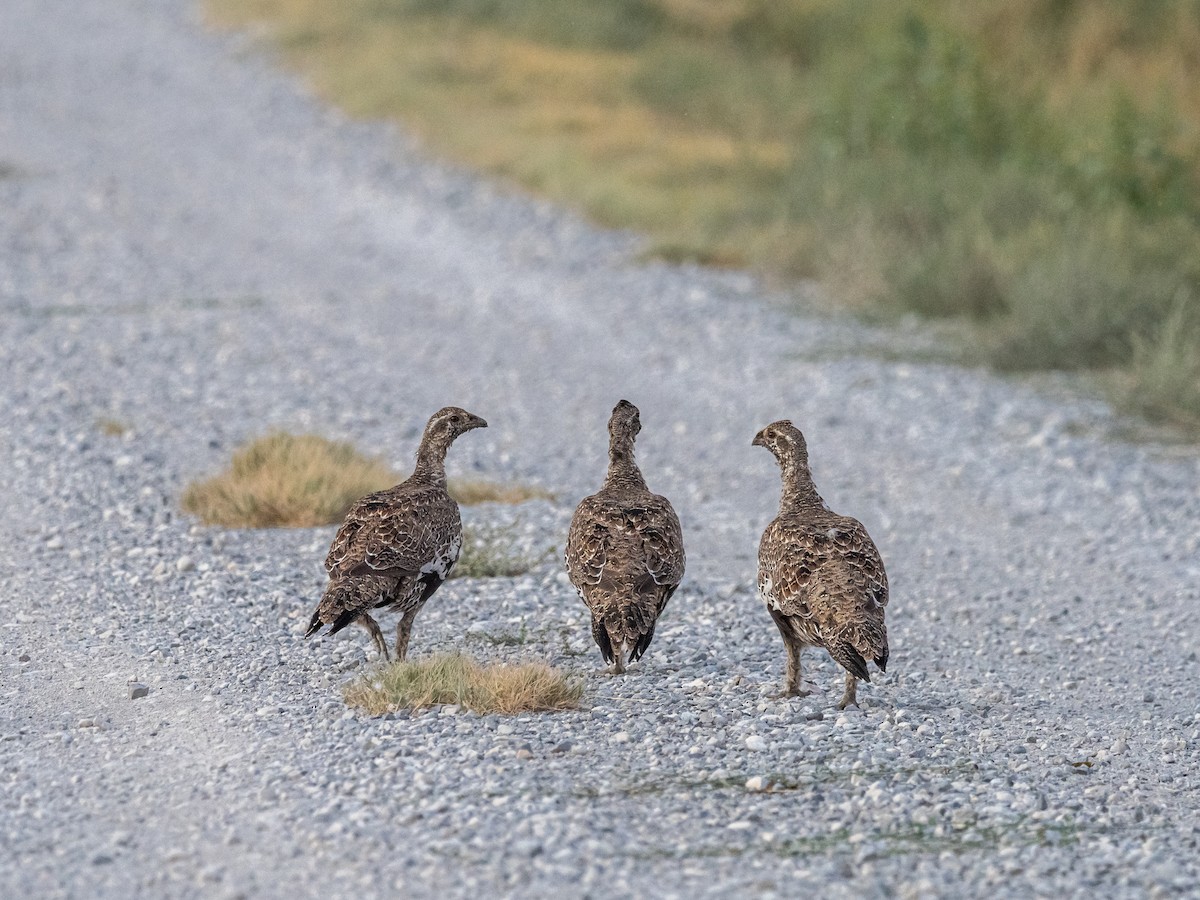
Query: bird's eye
[[455, 420]]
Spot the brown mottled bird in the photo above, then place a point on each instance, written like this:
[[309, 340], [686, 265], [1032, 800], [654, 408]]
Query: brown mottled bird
[[624, 550], [397, 546], [819, 573]]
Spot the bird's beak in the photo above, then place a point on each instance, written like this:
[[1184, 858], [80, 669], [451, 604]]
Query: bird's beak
[[759, 440], [475, 422]]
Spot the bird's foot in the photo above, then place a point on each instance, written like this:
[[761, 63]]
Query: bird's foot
[[849, 701], [788, 692]]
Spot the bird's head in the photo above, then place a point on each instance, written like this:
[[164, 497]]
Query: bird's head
[[625, 422], [784, 440], [448, 423]]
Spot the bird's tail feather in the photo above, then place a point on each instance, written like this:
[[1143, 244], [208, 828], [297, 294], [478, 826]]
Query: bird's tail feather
[[641, 644], [338, 607], [344, 618], [314, 624], [848, 657], [600, 635]]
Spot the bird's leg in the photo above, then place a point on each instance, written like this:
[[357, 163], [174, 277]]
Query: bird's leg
[[376, 635], [850, 698], [618, 666], [404, 631], [793, 682]]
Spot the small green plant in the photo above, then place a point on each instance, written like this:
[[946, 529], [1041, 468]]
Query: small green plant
[[456, 679], [490, 551], [1166, 366], [286, 480], [471, 492]]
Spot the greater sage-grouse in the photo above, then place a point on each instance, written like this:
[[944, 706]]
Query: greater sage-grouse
[[397, 546], [624, 550], [819, 573]]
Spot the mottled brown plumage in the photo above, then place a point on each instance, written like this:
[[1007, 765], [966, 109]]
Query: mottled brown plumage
[[624, 550], [397, 546], [819, 573]]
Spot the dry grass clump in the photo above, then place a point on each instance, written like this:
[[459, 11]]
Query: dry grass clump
[[470, 492], [454, 678], [287, 480], [110, 427]]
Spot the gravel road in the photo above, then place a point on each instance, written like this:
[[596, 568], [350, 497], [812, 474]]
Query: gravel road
[[194, 248]]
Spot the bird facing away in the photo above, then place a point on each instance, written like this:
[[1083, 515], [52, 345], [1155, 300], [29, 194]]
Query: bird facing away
[[397, 546], [624, 550], [819, 573]]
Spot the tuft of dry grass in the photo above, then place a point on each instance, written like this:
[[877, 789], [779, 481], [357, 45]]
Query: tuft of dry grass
[[111, 427], [290, 481], [471, 492], [454, 678]]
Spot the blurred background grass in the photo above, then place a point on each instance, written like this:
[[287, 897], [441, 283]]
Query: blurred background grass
[[1031, 168]]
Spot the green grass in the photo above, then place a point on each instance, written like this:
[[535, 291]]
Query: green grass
[[455, 679], [1031, 168]]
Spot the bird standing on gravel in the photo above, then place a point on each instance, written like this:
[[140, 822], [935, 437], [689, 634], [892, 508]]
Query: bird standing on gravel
[[819, 573], [397, 546], [624, 550]]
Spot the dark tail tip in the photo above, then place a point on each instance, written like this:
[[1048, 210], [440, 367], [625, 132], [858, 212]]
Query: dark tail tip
[[851, 660], [314, 625], [641, 645], [345, 617], [600, 635], [881, 660]]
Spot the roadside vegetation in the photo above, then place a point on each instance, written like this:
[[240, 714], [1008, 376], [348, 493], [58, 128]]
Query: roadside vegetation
[[456, 679], [471, 492], [285, 480], [1030, 168], [110, 427]]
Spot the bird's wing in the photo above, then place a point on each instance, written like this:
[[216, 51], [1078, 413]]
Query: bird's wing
[[792, 551], [829, 574], [662, 542], [589, 542], [400, 533]]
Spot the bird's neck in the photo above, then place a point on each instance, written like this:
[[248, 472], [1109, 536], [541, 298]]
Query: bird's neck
[[622, 470], [431, 462], [799, 493]]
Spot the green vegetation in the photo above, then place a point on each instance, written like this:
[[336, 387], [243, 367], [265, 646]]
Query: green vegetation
[[1031, 167], [507, 689]]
